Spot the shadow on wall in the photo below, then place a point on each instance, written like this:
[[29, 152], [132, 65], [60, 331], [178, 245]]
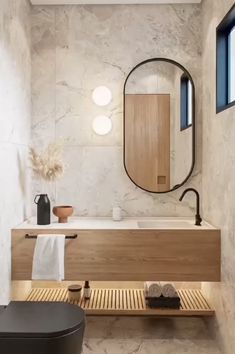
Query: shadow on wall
[[23, 182]]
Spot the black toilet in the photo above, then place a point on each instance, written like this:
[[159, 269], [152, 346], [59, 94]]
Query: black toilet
[[41, 328]]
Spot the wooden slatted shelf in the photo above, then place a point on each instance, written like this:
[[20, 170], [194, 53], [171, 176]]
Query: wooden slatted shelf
[[126, 302]]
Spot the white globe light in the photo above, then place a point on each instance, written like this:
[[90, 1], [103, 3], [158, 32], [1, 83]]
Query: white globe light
[[102, 96], [102, 125]]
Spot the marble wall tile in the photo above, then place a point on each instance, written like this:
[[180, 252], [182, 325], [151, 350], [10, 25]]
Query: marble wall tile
[[75, 49], [15, 122], [15, 72], [218, 176], [95, 180], [43, 75]]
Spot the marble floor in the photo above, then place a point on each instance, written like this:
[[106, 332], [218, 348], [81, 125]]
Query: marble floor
[[135, 335]]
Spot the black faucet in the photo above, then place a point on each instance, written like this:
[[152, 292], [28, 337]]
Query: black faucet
[[198, 218]]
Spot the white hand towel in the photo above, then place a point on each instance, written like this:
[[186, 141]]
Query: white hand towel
[[48, 259], [153, 289], [168, 290]]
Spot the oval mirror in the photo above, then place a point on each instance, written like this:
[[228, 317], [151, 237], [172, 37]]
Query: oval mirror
[[159, 125]]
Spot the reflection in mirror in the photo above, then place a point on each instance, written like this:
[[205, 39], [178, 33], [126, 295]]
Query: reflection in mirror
[[159, 125]]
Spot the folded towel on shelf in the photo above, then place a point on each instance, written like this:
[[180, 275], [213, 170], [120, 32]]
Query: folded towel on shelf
[[48, 259], [168, 290], [164, 302], [153, 289]]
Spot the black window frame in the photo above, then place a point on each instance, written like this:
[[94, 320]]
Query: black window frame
[[184, 102], [223, 31]]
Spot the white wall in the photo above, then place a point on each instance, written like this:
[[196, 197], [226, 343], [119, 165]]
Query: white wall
[[15, 124], [75, 49], [219, 176]]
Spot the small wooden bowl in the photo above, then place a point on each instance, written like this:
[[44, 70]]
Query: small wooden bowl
[[63, 212]]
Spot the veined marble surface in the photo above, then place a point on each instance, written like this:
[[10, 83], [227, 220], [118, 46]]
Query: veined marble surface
[[74, 50], [116, 335], [15, 124], [219, 176]]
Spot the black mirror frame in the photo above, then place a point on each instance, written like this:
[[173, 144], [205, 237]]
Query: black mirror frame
[[193, 122]]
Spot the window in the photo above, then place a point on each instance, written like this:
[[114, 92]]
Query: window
[[225, 62], [186, 92], [231, 65]]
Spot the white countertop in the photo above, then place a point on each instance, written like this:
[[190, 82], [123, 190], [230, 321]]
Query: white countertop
[[140, 223]]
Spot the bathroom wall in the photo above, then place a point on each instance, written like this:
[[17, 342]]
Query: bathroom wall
[[218, 173], [75, 49], [15, 126]]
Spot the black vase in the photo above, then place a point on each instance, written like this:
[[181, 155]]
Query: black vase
[[43, 209]]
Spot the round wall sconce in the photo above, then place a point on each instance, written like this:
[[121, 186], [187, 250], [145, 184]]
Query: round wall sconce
[[102, 125], [102, 96]]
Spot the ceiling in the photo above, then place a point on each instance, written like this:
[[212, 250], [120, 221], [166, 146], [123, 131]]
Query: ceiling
[[111, 2]]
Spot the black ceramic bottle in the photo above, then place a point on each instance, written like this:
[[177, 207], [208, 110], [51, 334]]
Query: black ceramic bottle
[[43, 209]]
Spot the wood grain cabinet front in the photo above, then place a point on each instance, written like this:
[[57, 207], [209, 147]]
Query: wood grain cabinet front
[[129, 255]]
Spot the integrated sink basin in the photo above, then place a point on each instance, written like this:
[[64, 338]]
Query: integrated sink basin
[[171, 224]]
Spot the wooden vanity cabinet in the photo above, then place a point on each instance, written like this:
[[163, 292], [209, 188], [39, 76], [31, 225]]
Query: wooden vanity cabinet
[[128, 255]]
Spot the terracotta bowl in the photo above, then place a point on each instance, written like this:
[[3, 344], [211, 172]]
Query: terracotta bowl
[[63, 212]]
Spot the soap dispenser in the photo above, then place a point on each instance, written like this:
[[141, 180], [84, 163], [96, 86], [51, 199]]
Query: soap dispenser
[[117, 213]]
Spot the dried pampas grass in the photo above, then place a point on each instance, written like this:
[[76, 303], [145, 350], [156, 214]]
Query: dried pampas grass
[[48, 164]]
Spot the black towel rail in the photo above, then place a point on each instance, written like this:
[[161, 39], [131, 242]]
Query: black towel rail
[[68, 237]]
